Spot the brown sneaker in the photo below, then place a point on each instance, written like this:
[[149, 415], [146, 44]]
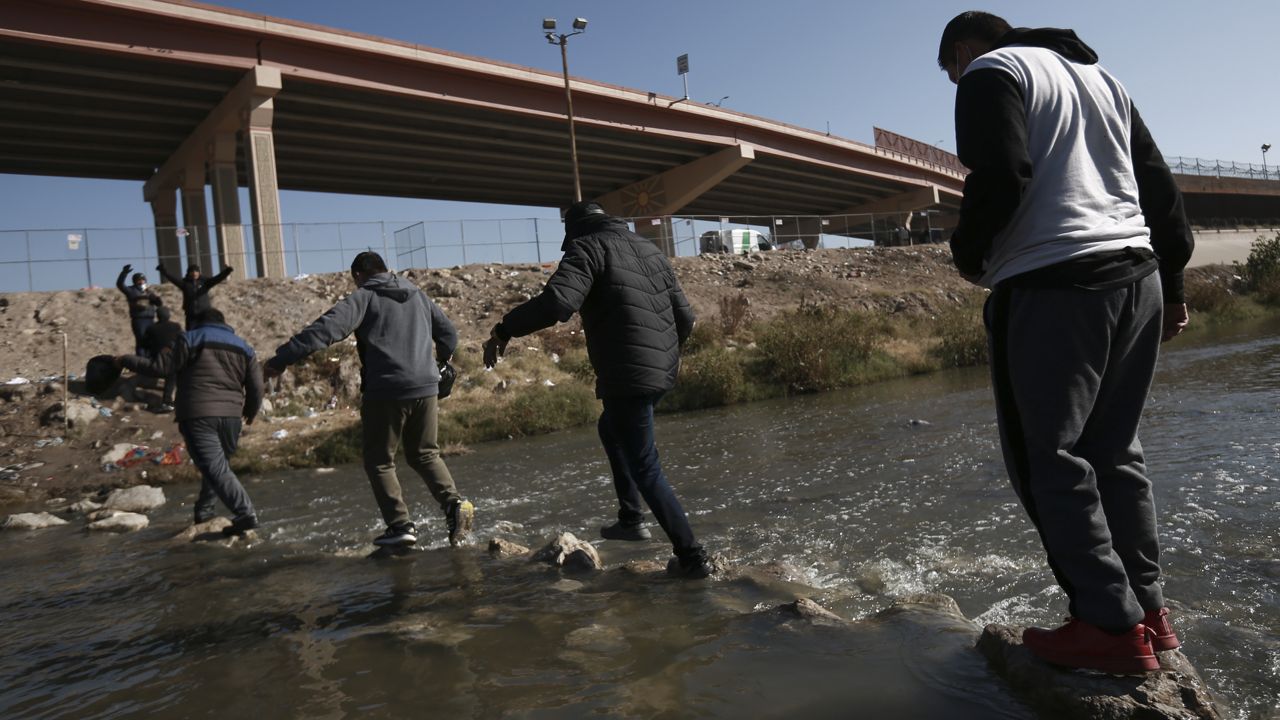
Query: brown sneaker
[[1078, 644], [1162, 637]]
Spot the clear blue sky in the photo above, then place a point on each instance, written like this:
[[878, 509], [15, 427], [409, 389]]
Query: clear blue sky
[[1203, 74]]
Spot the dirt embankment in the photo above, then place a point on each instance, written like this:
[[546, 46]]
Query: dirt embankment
[[918, 280]]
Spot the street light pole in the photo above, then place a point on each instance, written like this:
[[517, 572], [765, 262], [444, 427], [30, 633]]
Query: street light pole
[[1265, 148], [562, 39]]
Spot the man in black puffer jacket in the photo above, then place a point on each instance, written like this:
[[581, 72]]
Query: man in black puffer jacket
[[635, 317]]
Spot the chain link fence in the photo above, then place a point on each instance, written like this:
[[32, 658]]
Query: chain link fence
[[63, 259]]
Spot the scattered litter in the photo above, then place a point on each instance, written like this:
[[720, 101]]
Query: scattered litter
[[47, 442], [138, 454], [104, 411], [324, 470], [280, 434], [555, 358], [333, 403], [919, 423], [157, 435], [311, 412], [18, 381], [300, 277], [548, 383]]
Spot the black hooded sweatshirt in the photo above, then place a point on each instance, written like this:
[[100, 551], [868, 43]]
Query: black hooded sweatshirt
[[992, 140]]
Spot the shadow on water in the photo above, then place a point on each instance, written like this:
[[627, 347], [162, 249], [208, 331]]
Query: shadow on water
[[840, 497]]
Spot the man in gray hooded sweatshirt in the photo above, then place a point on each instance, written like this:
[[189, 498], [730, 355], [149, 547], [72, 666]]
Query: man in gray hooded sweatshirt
[[396, 326]]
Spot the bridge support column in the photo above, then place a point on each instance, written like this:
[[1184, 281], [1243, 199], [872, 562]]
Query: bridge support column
[[226, 202], [661, 233], [247, 108], [195, 216], [264, 198], [667, 192], [164, 213]]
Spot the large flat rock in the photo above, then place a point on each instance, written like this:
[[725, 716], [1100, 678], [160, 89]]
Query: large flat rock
[[1175, 692]]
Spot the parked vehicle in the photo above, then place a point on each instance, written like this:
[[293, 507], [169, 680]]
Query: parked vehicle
[[738, 241]]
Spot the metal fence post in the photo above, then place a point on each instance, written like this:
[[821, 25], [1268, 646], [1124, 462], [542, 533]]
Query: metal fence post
[[31, 283], [537, 239], [88, 268], [462, 237], [297, 255], [382, 228]]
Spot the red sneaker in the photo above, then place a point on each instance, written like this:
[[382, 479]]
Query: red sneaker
[[1162, 637], [1078, 644]]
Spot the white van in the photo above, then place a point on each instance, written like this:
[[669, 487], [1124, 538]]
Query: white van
[[736, 241]]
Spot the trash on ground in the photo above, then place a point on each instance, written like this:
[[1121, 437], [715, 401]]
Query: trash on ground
[[48, 442], [280, 434]]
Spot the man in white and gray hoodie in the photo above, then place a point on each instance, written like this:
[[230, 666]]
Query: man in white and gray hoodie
[[396, 327], [1072, 218]]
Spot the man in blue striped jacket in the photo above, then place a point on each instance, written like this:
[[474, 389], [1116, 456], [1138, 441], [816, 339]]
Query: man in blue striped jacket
[[219, 383]]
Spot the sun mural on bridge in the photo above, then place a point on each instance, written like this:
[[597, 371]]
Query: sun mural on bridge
[[646, 197]]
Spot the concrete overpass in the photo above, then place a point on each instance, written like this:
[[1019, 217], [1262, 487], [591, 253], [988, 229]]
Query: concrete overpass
[[178, 95]]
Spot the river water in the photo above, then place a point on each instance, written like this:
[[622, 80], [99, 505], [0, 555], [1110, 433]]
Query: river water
[[862, 503]]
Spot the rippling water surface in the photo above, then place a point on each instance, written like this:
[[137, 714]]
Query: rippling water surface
[[844, 488]]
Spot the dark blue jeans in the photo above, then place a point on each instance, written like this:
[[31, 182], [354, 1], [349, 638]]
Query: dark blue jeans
[[140, 326], [626, 430], [210, 442]]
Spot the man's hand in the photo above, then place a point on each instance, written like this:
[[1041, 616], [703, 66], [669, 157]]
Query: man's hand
[[247, 420], [1175, 320], [118, 361], [127, 268], [269, 372], [494, 348], [160, 267]]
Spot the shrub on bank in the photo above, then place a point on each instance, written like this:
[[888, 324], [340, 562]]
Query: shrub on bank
[[1262, 270], [962, 338], [710, 378], [817, 348]]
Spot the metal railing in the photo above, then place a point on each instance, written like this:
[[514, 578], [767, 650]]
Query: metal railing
[[1221, 168]]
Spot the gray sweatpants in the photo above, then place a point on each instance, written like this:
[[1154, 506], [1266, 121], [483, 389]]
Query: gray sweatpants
[[1071, 369], [211, 441]]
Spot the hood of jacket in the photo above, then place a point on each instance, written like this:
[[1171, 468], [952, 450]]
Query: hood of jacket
[[389, 286], [588, 225], [1062, 41]]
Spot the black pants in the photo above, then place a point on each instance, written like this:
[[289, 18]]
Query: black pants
[[1071, 369], [626, 431]]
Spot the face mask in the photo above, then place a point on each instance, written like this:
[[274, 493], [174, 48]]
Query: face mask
[[142, 286]]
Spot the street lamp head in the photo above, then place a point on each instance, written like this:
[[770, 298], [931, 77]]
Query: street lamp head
[[548, 23], [1266, 147], [580, 24]]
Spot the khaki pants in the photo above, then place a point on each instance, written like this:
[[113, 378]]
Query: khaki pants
[[386, 424]]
